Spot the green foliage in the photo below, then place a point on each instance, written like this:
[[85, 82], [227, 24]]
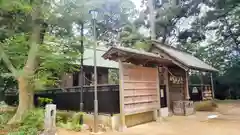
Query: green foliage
[[113, 76], [228, 83], [130, 36], [142, 45], [6, 113], [39, 37], [213, 36], [64, 116], [31, 125], [4, 117], [19, 133], [44, 101], [70, 121], [206, 106], [33, 122], [76, 118], [54, 57], [113, 17]]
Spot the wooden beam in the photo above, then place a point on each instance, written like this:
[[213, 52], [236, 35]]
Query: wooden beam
[[121, 95]]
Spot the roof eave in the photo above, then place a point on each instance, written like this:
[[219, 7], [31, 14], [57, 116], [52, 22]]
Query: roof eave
[[203, 69], [181, 62]]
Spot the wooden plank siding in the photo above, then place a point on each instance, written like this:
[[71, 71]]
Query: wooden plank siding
[[140, 89]]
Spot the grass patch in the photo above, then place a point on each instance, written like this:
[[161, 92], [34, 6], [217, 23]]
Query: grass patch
[[209, 106]]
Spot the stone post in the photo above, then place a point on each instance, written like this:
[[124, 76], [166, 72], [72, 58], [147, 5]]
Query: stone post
[[50, 120]]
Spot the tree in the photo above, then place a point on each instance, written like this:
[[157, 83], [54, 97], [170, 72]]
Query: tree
[[114, 16], [24, 80], [33, 57], [218, 30], [37, 54], [168, 16]]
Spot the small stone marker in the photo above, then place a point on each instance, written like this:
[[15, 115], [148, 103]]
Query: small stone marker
[[50, 120]]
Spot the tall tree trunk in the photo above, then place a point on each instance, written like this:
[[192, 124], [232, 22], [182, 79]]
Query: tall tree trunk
[[152, 18], [25, 100], [25, 84]]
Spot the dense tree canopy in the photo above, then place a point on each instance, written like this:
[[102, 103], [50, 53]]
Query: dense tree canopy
[[218, 42]]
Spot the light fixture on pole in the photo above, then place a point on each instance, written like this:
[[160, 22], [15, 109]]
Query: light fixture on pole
[[94, 14]]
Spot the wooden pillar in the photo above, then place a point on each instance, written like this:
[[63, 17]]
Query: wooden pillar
[[121, 96], [166, 82], [187, 97], [157, 113], [202, 88], [212, 84]]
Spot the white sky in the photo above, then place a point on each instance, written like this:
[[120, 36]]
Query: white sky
[[137, 3]]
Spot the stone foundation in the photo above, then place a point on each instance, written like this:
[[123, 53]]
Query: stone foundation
[[164, 112], [113, 122], [140, 118], [105, 121]]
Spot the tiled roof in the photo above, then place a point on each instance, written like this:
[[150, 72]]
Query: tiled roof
[[101, 62], [184, 58], [135, 56]]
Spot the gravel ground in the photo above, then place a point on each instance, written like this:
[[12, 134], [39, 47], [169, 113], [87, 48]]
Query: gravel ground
[[227, 123]]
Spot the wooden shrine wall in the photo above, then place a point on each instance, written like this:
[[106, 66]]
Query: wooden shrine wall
[[140, 89], [177, 80]]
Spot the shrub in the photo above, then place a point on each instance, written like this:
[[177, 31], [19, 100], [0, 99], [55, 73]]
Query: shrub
[[4, 117], [44, 101], [32, 124], [6, 114], [72, 123], [76, 118], [34, 118], [63, 116], [206, 106]]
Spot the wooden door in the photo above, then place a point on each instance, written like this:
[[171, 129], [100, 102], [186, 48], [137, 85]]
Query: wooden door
[[163, 96]]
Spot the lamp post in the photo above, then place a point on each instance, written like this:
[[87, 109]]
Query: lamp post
[[94, 14], [81, 72]]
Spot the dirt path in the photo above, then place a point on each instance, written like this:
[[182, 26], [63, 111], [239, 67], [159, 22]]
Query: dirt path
[[185, 126], [228, 123], [67, 132]]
